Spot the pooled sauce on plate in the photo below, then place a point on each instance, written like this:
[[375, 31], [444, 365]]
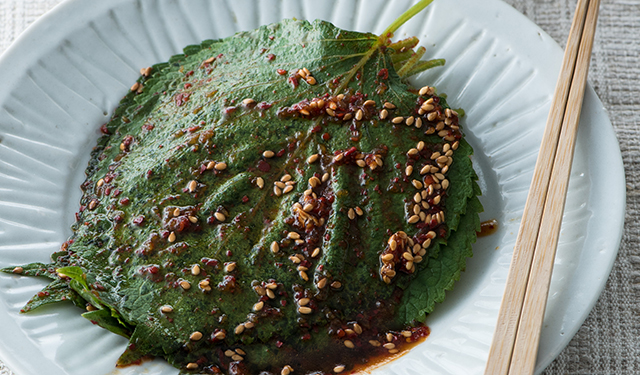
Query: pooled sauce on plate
[[488, 228]]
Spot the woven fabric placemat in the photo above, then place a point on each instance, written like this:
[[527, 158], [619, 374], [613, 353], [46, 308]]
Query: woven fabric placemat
[[609, 340]]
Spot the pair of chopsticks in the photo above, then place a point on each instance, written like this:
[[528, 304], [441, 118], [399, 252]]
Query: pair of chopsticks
[[517, 335]]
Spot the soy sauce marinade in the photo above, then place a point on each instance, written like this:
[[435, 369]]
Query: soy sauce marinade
[[279, 200]]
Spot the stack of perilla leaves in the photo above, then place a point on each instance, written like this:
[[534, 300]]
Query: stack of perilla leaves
[[238, 209]]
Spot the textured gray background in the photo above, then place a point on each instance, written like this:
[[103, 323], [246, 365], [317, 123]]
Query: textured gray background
[[609, 340]]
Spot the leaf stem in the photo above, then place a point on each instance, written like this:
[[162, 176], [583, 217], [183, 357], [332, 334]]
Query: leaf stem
[[404, 17]]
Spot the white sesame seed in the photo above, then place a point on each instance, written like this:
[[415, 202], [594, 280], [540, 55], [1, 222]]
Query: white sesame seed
[[417, 247], [313, 158], [387, 257], [416, 209], [230, 267], [270, 294], [195, 270], [389, 345], [192, 186], [166, 309], [275, 247], [239, 329], [314, 182], [293, 235], [322, 283], [427, 107], [383, 114], [349, 344], [304, 310]]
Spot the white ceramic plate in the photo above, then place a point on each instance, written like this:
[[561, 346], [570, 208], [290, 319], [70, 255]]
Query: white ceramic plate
[[64, 76]]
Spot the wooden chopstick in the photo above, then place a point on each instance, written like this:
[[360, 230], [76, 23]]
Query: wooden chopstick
[[517, 335]]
